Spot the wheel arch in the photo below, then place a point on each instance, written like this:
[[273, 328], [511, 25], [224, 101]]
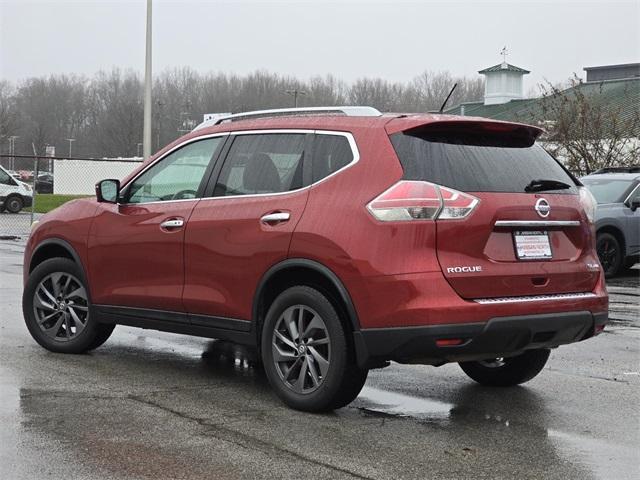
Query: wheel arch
[[53, 248], [301, 271], [617, 233]]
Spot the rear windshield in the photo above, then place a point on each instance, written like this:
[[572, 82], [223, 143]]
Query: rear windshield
[[476, 162]]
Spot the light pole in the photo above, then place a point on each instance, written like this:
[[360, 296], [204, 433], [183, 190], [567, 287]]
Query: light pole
[[146, 137], [12, 150], [295, 92], [70, 140]]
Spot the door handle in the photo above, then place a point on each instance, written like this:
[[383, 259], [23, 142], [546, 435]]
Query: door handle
[[275, 217], [172, 223]]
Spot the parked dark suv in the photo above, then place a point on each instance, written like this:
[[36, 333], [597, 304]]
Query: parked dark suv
[[334, 240]]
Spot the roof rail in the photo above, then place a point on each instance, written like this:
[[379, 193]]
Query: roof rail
[[281, 112]]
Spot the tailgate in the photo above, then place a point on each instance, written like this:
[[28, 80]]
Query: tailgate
[[505, 248]]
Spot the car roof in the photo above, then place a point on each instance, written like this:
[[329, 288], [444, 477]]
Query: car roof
[[393, 122], [612, 176]]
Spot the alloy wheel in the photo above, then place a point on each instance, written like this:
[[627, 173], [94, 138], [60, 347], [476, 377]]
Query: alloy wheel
[[301, 349], [493, 362], [61, 306], [607, 252]]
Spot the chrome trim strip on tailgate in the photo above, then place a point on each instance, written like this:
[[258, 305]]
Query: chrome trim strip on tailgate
[[537, 223], [536, 298]]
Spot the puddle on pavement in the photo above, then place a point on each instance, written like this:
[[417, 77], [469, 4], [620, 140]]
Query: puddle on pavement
[[167, 346], [214, 353], [400, 405], [10, 419], [604, 459]]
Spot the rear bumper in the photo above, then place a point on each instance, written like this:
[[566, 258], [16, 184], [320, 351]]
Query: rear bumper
[[499, 337]]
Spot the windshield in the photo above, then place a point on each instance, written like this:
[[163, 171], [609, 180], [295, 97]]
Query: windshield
[[606, 190]]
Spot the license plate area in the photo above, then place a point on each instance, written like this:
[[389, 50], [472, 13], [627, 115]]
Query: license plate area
[[532, 245]]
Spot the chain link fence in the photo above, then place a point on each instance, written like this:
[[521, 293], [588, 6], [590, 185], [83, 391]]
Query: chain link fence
[[18, 184], [31, 186]]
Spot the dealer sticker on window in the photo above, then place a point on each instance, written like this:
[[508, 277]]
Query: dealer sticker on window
[[532, 245]]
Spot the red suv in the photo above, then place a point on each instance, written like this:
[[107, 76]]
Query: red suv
[[334, 240]]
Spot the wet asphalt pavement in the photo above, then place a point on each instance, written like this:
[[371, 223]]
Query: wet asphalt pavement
[[149, 405]]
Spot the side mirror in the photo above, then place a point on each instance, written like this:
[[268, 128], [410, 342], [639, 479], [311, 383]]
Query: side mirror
[[634, 204], [107, 191]]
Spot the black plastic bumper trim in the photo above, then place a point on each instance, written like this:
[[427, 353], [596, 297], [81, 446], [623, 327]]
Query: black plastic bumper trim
[[501, 336]]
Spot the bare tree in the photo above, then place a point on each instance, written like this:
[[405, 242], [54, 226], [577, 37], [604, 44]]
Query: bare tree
[[115, 113], [104, 113], [8, 112], [586, 128], [433, 88]]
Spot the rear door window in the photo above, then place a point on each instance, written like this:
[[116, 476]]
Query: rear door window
[[476, 162], [330, 154], [262, 164]]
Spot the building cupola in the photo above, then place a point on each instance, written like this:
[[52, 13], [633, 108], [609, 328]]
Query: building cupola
[[503, 82]]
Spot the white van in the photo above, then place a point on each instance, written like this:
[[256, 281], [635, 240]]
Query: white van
[[14, 194]]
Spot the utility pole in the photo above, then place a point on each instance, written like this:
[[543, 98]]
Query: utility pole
[[146, 138], [70, 140], [295, 92]]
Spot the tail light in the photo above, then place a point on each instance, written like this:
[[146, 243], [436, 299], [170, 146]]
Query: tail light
[[415, 200], [588, 203]]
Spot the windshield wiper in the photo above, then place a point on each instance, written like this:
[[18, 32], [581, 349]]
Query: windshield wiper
[[542, 184]]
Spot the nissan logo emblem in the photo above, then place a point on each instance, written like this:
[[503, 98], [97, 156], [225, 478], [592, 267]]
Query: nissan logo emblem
[[543, 208]]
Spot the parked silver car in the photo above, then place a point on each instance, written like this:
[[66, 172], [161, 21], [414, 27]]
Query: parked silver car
[[617, 217]]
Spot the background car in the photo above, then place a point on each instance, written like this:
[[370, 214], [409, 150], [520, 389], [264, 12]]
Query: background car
[[14, 194], [44, 183], [617, 217]]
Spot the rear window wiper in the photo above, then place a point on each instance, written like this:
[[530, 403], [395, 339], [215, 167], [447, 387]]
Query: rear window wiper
[[542, 184]]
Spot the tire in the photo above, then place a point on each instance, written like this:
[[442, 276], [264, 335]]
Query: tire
[[323, 371], [610, 254], [508, 371], [14, 203], [64, 325]]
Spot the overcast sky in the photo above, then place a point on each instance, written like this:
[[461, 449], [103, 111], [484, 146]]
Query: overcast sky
[[394, 40]]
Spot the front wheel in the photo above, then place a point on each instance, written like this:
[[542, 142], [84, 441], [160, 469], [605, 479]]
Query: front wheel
[[506, 372], [306, 353], [57, 308]]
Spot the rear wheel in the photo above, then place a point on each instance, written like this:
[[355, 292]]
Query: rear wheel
[[56, 308], [14, 203], [609, 253], [506, 372], [306, 353]]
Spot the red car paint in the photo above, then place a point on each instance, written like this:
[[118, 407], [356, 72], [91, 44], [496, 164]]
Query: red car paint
[[394, 272]]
